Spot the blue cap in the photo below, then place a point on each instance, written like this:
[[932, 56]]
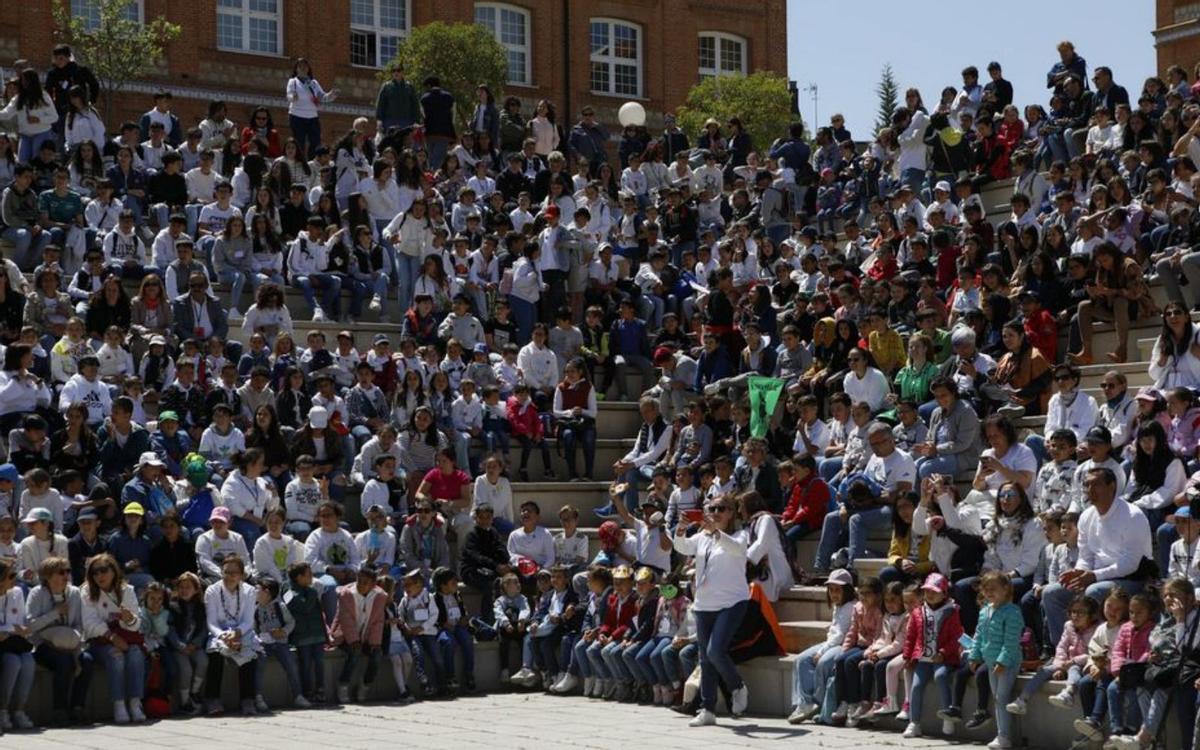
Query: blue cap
[[9, 473], [1185, 513]]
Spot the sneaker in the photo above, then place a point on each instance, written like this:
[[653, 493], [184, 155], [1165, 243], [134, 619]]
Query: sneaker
[[319, 315], [21, 720], [1011, 411], [302, 702], [525, 677], [1000, 743], [979, 719], [608, 511], [136, 713], [948, 727], [405, 698], [952, 714], [840, 713], [861, 710], [911, 731], [1064, 700], [568, 684], [1017, 707], [343, 693], [375, 304], [885, 708], [212, 708], [903, 714], [260, 705], [248, 708], [589, 684], [803, 713], [120, 713], [1089, 728], [739, 701], [705, 718], [234, 316]]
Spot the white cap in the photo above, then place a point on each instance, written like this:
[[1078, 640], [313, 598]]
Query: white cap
[[150, 458], [318, 417], [943, 186]]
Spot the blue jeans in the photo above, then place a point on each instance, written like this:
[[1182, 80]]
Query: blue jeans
[[27, 248], [1122, 717], [312, 668], [69, 689], [614, 662], [408, 270], [714, 634], [811, 679], [652, 661], [1002, 687], [524, 314], [126, 670], [1044, 675], [461, 637], [573, 436], [299, 529], [307, 132], [249, 530], [16, 680], [1056, 600], [430, 670], [1037, 444], [936, 465], [689, 657], [331, 291], [436, 147], [924, 671], [631, 478], [847, 677], [580, 662], [835, 533], [31, 145], [635, 668], [913, 177], [283, 653]]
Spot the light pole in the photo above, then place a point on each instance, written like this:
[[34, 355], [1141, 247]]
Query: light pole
[[812, 90]]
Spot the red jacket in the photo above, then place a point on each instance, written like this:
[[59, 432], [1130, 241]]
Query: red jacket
[[274, 148], [1010, 133], [1042, 332], [523, 420], [618, 615], [947, 637], [808, 502]]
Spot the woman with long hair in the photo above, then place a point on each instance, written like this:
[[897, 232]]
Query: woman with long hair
[[293, 401], [217, 133], [248, 494], [1156, 478], [411, 234], [1117, 283], [86, 168], [112, 628], [261, 127], [1175, 360], [150, 315], [74, 447], [543, 128], [350, 166], [305, 97], [266, 252], [108, 306], [34, 112], [298, 168], [266, 435], [575, 413], [230, 607], [420, 443], [486, 118], [231, 260], [1022, 375], [83, 121]]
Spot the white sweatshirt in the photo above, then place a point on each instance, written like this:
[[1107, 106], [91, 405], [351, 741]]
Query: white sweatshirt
[[91, 393], [209, 546]]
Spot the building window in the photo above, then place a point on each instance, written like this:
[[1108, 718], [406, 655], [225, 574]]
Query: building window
[[616, 58], [511, 27], [250, 26], [89, 11], [377, 27], [721, 54]]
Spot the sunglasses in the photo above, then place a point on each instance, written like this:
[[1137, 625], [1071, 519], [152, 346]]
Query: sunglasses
[[1173, 314], [717, 508], [1008, 495]]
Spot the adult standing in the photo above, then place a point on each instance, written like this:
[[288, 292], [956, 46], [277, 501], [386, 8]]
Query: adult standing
[[766, 549], [397, 105], [64, 75], [486, 117], [910, 122], [719, 603], [1114, 543], [305, 96], [54, 616], [589, 140], [437, 111], [35, 114]]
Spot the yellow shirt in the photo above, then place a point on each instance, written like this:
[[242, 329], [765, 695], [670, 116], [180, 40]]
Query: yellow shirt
[[888, 349]]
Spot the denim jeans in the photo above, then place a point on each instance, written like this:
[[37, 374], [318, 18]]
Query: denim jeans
[[847, 678], [430, 670], [237, 282], [27, 248], [436, 147], [810, 679], [653, 661], [31, 145], [16, 680], [408, 270], [307, 132], [630, 654], [637, 363], [354, 654], [1002, 688], [1056, 600], [922, 674], [631, 478], [714, 634], [689, 657], [69, 689], [461, 637], [579, 435], [546, 651], [1122, 716], [126, 670], [1044, 675], [331, 291], [1093, 697], [580, 659], [835, 533], [312, 668], [283, 654], [249, 530], [614, 662]]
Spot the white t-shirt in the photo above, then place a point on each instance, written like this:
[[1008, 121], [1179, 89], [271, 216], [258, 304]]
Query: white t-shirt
[[220, 448], [897, 467], [1018, 458]]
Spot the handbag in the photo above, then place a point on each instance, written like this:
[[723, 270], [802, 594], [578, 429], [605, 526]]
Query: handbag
[[62, 637], [15, 644], [1132, 675]]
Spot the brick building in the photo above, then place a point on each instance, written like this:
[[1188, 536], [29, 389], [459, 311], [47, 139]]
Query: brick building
[[1177, 34], [603, 52]]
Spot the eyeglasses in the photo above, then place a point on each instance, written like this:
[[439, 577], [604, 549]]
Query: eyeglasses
[[717, 508], [1173, 314], [1009, 495]]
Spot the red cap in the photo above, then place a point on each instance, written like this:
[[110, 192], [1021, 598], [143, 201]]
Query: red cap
[[550, 212], [663, 353]]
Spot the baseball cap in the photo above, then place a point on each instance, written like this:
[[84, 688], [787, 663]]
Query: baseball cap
[[318, 417], [9, 473], [38, 514], [936, 582], [381, 338], [168, 416], [219, 513], [662, 354], [481, 348], [136, 509], [840, 577], [87, 514], [1185, 513], [942, 186], [1148, 393]]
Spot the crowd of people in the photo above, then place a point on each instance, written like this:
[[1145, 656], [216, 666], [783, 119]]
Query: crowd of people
[[159, 472]]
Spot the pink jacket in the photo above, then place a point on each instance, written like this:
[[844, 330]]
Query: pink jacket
[[1131, 646], [865, 626], [891, 637], [1185, 433], [1072, 647], [347, 629]]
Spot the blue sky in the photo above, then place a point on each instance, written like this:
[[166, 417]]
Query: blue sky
[[842, 47]]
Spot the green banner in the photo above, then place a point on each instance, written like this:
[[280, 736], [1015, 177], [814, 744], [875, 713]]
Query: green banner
[[764, 395]]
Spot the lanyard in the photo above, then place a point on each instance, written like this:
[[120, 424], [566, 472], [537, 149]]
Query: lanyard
[[235, 616], [251, 487]]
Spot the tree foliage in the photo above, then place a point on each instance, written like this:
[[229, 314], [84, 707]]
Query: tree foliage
[[461, 55], [761, 100], [888, 93], [118, 49]]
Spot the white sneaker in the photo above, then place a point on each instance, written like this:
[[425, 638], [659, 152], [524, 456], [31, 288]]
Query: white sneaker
[[589, 684], [947, 727], [567, 685], [136, 713], [705, 718], [911, 731], [1064, 700], [343, 693], [120, 713], [21, 720], [840, 712], [301, 702], [903, 715], [524, 677], [1000, 743], [1017, 707], [375, 304], [739, 700], [234, 316], [803, 713], [319, 315]]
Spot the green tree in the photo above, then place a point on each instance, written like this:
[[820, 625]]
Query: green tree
[[117, 48], [888, 93], [761, 100], [461, 55]]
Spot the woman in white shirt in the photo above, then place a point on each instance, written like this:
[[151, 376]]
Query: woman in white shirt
[[1007, 460], [492, 489], [34, 112], [1175, 360], [112, 626], [543, 130], [248, 495], [720, 602], [765, 549], [269, 314], [18, 654], [83, 122], [229, 605], [865, 383], [526, 291], [1156, 478], [350, 167], [305, 96], [411, 234]]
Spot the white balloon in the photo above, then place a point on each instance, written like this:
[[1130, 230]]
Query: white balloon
[[631, 113]]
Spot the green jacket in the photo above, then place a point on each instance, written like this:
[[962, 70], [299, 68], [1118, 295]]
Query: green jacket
[[397, 103], [305, 606], [998, 636]]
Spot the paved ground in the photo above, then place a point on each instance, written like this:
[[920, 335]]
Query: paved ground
[[494, 722]]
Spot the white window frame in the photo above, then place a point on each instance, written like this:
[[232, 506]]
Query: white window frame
[[80, 12], [380, 31], [612, 61], [245, 14], [718, 37], [527, 48]]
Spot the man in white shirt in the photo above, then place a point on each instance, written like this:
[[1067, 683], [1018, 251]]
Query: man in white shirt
[[201, 188], [1114, 543]]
